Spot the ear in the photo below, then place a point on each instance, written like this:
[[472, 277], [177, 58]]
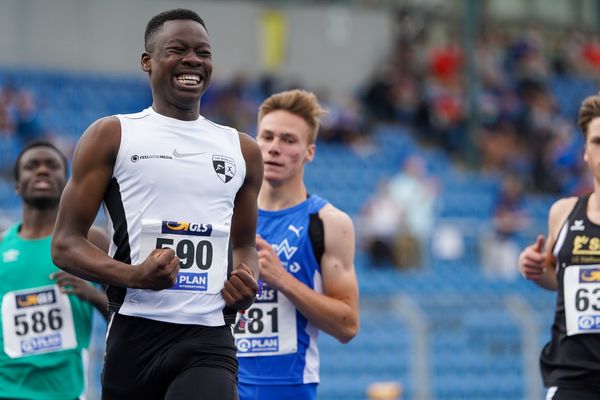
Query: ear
[[145, 62], [585, 156], [310, 153], [18, 189]]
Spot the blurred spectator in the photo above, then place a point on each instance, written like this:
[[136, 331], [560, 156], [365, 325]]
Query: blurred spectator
[[7, 128], [415, 193], [501, 246], [380, 224], [448, 243], [9, 98], [29, 126]]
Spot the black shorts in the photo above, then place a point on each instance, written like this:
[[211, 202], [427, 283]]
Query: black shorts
[[558, 393], [148, 359]]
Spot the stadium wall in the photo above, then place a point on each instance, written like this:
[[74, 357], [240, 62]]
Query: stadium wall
[[330, 46]]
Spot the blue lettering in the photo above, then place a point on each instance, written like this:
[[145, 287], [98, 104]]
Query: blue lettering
[[41, 343], [589, 322], [258, 345]]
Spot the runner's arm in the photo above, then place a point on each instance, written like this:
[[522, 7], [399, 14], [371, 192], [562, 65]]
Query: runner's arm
[[93, 164], [336, 310], [558, 214], [240, 289]]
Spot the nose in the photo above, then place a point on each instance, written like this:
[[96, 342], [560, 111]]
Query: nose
[[191, 58], [273, 147], [42, 169]]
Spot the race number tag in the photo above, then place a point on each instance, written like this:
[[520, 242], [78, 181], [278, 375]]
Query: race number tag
[[270, 328], [36, 321], [201, 248], [582, 299]]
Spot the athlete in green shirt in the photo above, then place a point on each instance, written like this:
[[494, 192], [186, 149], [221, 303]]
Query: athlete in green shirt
[[46, 313]]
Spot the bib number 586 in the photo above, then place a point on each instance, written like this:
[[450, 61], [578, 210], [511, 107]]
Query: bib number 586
[[189, 254], [38, 322]]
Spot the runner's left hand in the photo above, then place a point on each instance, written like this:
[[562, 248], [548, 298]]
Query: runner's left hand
[[241, 288]]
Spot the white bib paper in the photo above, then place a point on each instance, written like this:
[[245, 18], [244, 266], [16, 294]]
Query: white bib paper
[[582, 299], [36, 321], [201, 248], [271, 328]]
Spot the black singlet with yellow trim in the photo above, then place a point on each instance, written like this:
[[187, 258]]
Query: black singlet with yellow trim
[[572, 358]]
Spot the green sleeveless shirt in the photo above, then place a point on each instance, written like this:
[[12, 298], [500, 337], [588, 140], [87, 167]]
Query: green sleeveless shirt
[[44, 333]]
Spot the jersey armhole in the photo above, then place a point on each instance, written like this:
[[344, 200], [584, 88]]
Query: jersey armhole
[[316, 232], [229, 313], [565, 224]]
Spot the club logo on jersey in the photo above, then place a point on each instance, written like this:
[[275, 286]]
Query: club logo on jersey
[[589, 275], [285, 249], [37, 298], [224, 167], [577, 225], [10, 255], [589, 322], [294, 268], [186, 228], [258, 345]]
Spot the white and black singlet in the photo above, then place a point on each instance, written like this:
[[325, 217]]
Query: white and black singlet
[[571, 360]]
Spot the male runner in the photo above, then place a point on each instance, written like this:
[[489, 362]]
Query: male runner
[[180, 193], [570, 264], [306, 259], [46, 313]]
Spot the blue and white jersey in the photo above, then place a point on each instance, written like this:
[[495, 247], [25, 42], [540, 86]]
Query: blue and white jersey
[[278, 346]]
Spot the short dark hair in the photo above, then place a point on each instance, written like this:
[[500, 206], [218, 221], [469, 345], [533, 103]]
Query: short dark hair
[[35, 144], [156, 23]]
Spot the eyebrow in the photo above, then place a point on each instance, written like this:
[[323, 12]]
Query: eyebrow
[[185, 42], [294, 135]]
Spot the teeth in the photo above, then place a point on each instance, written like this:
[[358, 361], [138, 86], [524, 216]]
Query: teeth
[[188, 79]]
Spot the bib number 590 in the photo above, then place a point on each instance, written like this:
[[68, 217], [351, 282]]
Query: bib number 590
[[189, 254]]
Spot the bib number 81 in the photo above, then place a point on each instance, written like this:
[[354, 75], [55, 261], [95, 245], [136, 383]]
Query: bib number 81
[[189, 254]]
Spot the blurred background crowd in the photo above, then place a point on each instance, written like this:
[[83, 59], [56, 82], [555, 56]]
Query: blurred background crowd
[[447, 154]]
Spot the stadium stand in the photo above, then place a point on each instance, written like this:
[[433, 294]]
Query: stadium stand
[[473, 342]]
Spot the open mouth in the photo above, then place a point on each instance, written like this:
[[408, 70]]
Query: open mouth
[[189, 80]]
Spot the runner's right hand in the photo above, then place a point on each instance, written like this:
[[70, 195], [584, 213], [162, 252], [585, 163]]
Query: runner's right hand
[[158, 271], [532, 261]]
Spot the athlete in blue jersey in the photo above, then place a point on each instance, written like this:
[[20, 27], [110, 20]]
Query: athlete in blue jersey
[[306, 258]]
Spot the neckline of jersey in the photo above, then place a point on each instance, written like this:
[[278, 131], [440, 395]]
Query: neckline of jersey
[[171, 120], [270, 213]]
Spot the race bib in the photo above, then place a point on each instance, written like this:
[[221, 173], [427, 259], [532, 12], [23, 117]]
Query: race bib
[[36, 321], [582, 299], [271, 326], [201, 248]]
